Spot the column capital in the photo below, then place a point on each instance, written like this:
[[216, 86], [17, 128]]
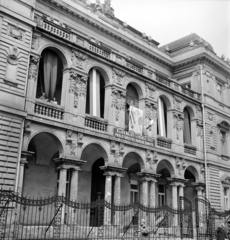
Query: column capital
[[199, 185], [111, 170], [69, 162], [26, 154], [177, 181], [147, 176]]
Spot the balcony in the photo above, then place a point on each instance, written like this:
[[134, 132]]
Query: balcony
[[134, 67], [164, 142], [96, 123], [191, 93], [190, 149], [163, 81], [99, 50], [49, 110]]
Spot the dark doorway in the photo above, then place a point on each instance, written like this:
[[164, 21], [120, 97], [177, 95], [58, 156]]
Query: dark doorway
[[97, 191]]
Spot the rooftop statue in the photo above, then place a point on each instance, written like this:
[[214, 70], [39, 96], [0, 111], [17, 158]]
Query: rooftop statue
[[104, 8]]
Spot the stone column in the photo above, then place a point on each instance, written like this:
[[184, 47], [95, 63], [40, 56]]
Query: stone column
[[108, 198], [23, 162], [144, 194], [152, 193], [174, 201], [117, 197], [62, 180], [74, 184], [199, 190], [181, 193]]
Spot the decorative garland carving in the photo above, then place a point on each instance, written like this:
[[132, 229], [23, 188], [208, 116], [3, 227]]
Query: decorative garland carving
[[150, 114], [79, 59], [198, 112], [150, 90], [33, 69], [178, 122], [77, 87], [177, 102], [199, 125], [118, 76], [118, 101], [71, 142], [180, 165]]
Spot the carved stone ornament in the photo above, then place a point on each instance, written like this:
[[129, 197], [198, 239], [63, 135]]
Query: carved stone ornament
[[199, 125], [77, 87], [118, 101], [118, 76], [151, 158], [71, 142], [177, 102], [150, 90], [180, 165], [226, 181], [198, 112], [80, 139], [210, 116], [79, 59], [103, 8], [35, 41], [27, 129], [150, 114], [15, 32], [33, 69], [178, 122]]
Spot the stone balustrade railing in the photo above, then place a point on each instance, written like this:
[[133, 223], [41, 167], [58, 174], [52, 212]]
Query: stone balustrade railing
[[95, 123], [189, 149], [49, 110], [98, 50], [164, 142]]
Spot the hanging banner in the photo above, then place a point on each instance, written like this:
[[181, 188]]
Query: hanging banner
[[135, 120]]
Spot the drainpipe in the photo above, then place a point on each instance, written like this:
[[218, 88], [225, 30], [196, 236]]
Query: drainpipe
[[204, 133], [19, 157]]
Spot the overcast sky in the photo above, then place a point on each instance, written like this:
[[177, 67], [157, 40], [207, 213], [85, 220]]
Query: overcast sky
[[169, 20]]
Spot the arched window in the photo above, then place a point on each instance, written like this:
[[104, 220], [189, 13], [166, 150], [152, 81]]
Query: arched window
[[162, 118], [95, 97], [187, 127], [132, 99], [49, 83]]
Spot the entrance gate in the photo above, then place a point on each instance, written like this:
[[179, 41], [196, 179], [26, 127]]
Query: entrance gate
[[203, 219]]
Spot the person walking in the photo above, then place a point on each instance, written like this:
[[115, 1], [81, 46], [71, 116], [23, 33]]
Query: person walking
[[220, 233]]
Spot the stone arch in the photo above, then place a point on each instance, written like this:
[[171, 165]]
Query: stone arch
[[99, 150], [194, 171], [137, 86], [138, 159], [167, 165], [102, 69], [190, 110], [166, 99], [59, 50], [60, 142]]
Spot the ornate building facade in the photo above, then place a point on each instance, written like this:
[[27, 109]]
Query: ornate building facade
[[91, 107]]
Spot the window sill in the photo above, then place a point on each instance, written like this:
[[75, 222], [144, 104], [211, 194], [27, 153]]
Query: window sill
[[169, 140], [190, 146], [225, 158]]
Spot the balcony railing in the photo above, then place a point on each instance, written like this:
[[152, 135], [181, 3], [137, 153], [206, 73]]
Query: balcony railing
[[99, 50], [190, 93], [49, 110], [52, 28], [190, 149], [164, 142], [95, 123], [134, 67], [163, 81]]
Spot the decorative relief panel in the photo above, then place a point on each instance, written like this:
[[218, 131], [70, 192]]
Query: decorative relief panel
[[79, 59], [152, 159], [178, 122], [33, 69], [198, 112], [71, 142], [180, 165], [150, 90], [15, 32], [78, 86], [177, 102], [117, 152], [118, 76], [150, 114], [118, 101], [199, 125], [35, 41]]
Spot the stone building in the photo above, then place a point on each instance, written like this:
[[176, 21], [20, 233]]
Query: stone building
[[91, 107]]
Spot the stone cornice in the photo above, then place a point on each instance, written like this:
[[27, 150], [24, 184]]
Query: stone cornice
[[105, 29]]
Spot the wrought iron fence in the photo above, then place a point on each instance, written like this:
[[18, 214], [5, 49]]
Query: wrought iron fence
[[59, 218]]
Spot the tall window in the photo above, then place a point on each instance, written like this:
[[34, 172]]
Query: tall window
[[134, 191], [187, 127], [223, 143], [49, 83], [161, 195], [162, 118], [226, 199], [132, 99], [95, 98]]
